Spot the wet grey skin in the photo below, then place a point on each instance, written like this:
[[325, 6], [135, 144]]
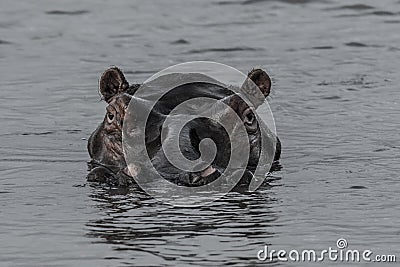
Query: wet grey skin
[[108, 165]]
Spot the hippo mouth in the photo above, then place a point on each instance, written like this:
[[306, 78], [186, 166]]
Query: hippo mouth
[[109, 174], [210, 175], [119, 175], [93, 164], [193, 179]]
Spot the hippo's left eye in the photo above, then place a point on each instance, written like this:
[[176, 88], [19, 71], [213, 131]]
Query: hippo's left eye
[[249, 117], [110, 117]]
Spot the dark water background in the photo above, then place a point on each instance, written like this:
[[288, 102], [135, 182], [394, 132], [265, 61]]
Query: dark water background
[[335, 69]]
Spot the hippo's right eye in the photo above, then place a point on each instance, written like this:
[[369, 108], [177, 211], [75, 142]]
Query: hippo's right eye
[[250, 120], [110, 117]]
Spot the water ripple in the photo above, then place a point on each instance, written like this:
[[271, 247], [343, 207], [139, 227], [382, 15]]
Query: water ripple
[[66, 12], [223, 49]]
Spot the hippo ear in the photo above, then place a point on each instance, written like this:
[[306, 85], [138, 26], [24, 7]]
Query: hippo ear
[[111, 83], [261, 79]]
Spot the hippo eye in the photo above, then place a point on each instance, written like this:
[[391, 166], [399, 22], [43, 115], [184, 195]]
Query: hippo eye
[[249, 117], [110, 117], [249, 120]]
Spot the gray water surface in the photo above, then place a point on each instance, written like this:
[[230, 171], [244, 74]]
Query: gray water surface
[[335, 70]]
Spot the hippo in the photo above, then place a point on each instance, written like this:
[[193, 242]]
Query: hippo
[[105, 145]]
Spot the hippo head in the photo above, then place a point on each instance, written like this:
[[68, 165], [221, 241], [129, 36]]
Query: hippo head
[[105, 143]]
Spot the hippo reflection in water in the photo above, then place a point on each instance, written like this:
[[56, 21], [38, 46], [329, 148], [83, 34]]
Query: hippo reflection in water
[[105, 144]]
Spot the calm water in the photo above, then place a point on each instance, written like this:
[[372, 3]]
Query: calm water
[[335, 69]]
